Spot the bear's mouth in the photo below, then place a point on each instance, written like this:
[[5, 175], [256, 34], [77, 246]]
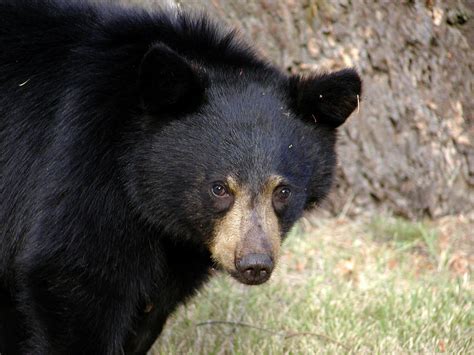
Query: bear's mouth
[[251, 281]]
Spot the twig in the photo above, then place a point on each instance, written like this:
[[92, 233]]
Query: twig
[[284, 334], [240, 324]]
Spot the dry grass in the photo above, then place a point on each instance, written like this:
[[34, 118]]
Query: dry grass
[[378, 286]]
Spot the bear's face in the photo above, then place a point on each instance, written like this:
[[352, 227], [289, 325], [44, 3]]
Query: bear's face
[[230, 159]]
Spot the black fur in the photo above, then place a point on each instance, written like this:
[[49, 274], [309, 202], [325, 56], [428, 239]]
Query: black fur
[[327, 98], [113, 123]]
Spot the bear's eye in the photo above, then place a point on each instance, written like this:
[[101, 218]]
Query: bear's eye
[[219, 190], [281, 196]]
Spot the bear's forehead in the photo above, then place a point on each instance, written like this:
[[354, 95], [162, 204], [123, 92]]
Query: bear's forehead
[[251, 116], [247, 131], [256, 157], [253, 100]]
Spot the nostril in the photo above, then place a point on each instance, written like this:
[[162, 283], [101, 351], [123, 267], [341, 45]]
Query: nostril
[[255, 267], [249, 273]]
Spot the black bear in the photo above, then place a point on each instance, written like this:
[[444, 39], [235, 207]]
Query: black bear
[[137, 151]]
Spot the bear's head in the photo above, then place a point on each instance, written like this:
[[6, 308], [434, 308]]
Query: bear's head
[[232, 154]]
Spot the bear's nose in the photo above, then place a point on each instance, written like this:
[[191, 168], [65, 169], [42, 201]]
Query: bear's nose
[[255, 269]]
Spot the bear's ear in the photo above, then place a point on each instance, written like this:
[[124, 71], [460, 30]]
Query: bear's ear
[[326, 98], [168, 82]]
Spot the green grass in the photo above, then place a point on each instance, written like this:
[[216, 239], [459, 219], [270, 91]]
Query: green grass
[[404, 234], [385, 286]]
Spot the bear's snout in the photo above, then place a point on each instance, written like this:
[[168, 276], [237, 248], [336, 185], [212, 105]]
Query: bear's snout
[[254, 269], [247, 239]]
